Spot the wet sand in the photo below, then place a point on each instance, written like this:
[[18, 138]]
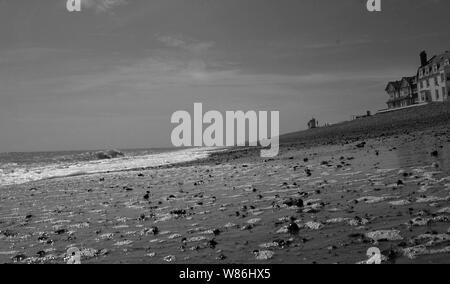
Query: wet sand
[[316, 202]]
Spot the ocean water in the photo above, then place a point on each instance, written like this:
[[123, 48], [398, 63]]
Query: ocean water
[[19, 168]]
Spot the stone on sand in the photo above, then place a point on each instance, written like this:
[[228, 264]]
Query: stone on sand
[[314, 225], [385, 235], [263, 254]]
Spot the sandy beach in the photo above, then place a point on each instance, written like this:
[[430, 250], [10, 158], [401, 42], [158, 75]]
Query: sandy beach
[[328, 197]]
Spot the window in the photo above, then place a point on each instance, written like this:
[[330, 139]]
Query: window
[[447, 62], [435, 68], [421, 73], [421, 84], [436, 83], [437, 95], [428, 83], [427, 71], [442, 77], [443, 91]]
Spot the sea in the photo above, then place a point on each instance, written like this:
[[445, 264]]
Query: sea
[[19, 168]]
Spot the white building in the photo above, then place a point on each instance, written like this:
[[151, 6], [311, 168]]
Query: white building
[[434, 78]]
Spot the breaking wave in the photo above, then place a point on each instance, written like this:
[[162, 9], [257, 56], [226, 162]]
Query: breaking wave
[[12, 173]]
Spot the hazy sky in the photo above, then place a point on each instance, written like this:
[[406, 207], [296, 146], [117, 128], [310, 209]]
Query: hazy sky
[[112, 75]]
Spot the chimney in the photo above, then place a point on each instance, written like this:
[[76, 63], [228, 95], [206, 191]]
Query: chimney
[[423, 58]]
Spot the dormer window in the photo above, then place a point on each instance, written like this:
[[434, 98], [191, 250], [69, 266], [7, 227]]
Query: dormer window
[[420, 73], [447, 62], [427, 71]]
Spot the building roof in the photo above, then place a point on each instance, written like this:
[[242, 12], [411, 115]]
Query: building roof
[[411, 80], [436, 59], [396, 84]]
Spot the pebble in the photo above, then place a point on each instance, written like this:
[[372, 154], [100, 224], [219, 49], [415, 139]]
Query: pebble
[[263, 254], [385, 235], [314, 225], [444, 210], [399, 203], [293, 228], [169, 258], [123, 243], [294, 202], [174, 236], [254, 221]]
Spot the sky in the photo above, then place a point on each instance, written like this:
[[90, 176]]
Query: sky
[[112, 75]]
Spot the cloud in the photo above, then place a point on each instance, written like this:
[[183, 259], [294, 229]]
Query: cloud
[[190, 45], [339, 43], [103, 5], [162, 76]]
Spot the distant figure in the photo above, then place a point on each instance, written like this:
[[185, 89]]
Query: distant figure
[[313, 123]]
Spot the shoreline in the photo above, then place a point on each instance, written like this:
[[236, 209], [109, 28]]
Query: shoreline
[[317, 202], [399, 122]]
